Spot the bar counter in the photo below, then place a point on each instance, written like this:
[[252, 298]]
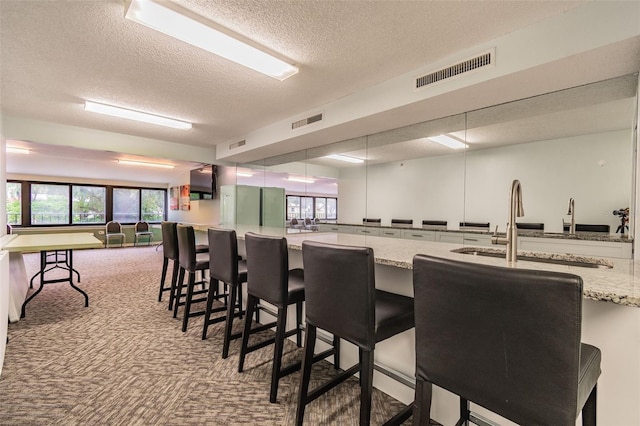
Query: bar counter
[[610, 321]]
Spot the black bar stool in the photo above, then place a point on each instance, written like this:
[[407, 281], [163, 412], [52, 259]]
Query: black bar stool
[[170, 252], [272, 281], [506, 339], [226, 266], [190, 263], [341, 298]]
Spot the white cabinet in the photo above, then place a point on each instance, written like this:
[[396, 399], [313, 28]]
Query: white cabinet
[[390, 233], [366, 231], [416, 234], [328, 227]]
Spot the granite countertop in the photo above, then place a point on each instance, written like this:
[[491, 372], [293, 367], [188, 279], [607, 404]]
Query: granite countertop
[[617, 284], [584, 236]]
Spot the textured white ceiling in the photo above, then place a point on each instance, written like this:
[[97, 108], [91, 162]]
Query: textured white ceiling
[[55, 54]]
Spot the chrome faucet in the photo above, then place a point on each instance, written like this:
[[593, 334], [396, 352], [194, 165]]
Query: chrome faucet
[[572, 212], [515, 210]]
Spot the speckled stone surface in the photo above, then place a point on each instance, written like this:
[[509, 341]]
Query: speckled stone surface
[[617, 284]]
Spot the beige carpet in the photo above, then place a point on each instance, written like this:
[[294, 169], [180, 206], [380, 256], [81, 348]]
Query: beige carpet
[[124, 361]]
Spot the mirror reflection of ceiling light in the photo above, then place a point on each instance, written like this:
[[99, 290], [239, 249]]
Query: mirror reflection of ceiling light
[[346, 158], [16, 150], [193, 30], [244, 174], [143, 163], [130, 114], [299, 179], [448, 141]]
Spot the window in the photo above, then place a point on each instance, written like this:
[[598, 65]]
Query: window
[[89, 204], [14, 203], [312, 207], [126, 205], [332, 208], [306, 204], [49, 204], [321, 208], [153, 204], [293, 207]]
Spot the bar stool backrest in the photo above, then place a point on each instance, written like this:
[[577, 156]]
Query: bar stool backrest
[[170, 240], [506, 339], [223, 253], [268, 261], [186, 247], [339, 286]]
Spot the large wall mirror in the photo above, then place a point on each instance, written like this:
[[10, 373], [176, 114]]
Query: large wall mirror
[[576, 143]]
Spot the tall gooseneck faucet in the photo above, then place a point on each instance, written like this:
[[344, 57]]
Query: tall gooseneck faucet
[[515, 210], [572, 212]]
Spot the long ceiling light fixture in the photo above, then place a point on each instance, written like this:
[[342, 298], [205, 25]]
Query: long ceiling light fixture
[[198, 32], [131, 114], [143, 163], [298, 179], [346, 158], [244, 174], [448, 141], [16, 150]]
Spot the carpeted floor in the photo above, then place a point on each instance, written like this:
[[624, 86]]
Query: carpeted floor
[[124, 361]]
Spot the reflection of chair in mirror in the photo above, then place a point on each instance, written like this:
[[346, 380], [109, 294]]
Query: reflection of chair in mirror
[[583, 227], [310, 224], [402, 223], [142, 230], [506, 339], [113, 230], [9, 229], [530, 227], [434, 224], [474, 226], [294, 223], [371, 222]]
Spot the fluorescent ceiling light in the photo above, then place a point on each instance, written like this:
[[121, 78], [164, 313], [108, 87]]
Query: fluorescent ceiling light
[[299, 179], [162, 17], [142, 163], [136, 115], [346, 158], [448, 141], [16, 150], [244, 174]]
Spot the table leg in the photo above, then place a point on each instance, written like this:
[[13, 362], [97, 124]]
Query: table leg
[[71, 270], [43, 265]]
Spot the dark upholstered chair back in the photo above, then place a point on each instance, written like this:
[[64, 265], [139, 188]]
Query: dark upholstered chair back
[[223, 254], [334, 277], [113, 227], [170, 240], [141, 226], [186, 247], [268, 261], [506, 339]]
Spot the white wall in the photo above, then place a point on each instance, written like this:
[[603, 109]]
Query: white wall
[[474, 186]]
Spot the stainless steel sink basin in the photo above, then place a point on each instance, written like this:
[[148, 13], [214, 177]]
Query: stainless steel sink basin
[[557, 259]]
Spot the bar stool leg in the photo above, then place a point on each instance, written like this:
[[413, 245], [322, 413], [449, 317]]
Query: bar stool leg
[[307, 362], [211, 296], [165, 265], [422, 403], [281, 325], [174, 281], [589, 409], [189, 298], [298, 324], [252, 301], [229, 323], [176, 301], [366, 388]]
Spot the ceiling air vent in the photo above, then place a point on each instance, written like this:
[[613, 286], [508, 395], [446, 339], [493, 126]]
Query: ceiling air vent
[[481, 61], [237, 144], [306, 121]]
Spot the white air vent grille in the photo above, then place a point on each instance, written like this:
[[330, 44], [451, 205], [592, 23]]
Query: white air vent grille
[[481, 61], [237, 144], [306, 121]]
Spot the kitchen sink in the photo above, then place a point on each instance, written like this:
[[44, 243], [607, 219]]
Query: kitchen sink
[[553, 258]]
